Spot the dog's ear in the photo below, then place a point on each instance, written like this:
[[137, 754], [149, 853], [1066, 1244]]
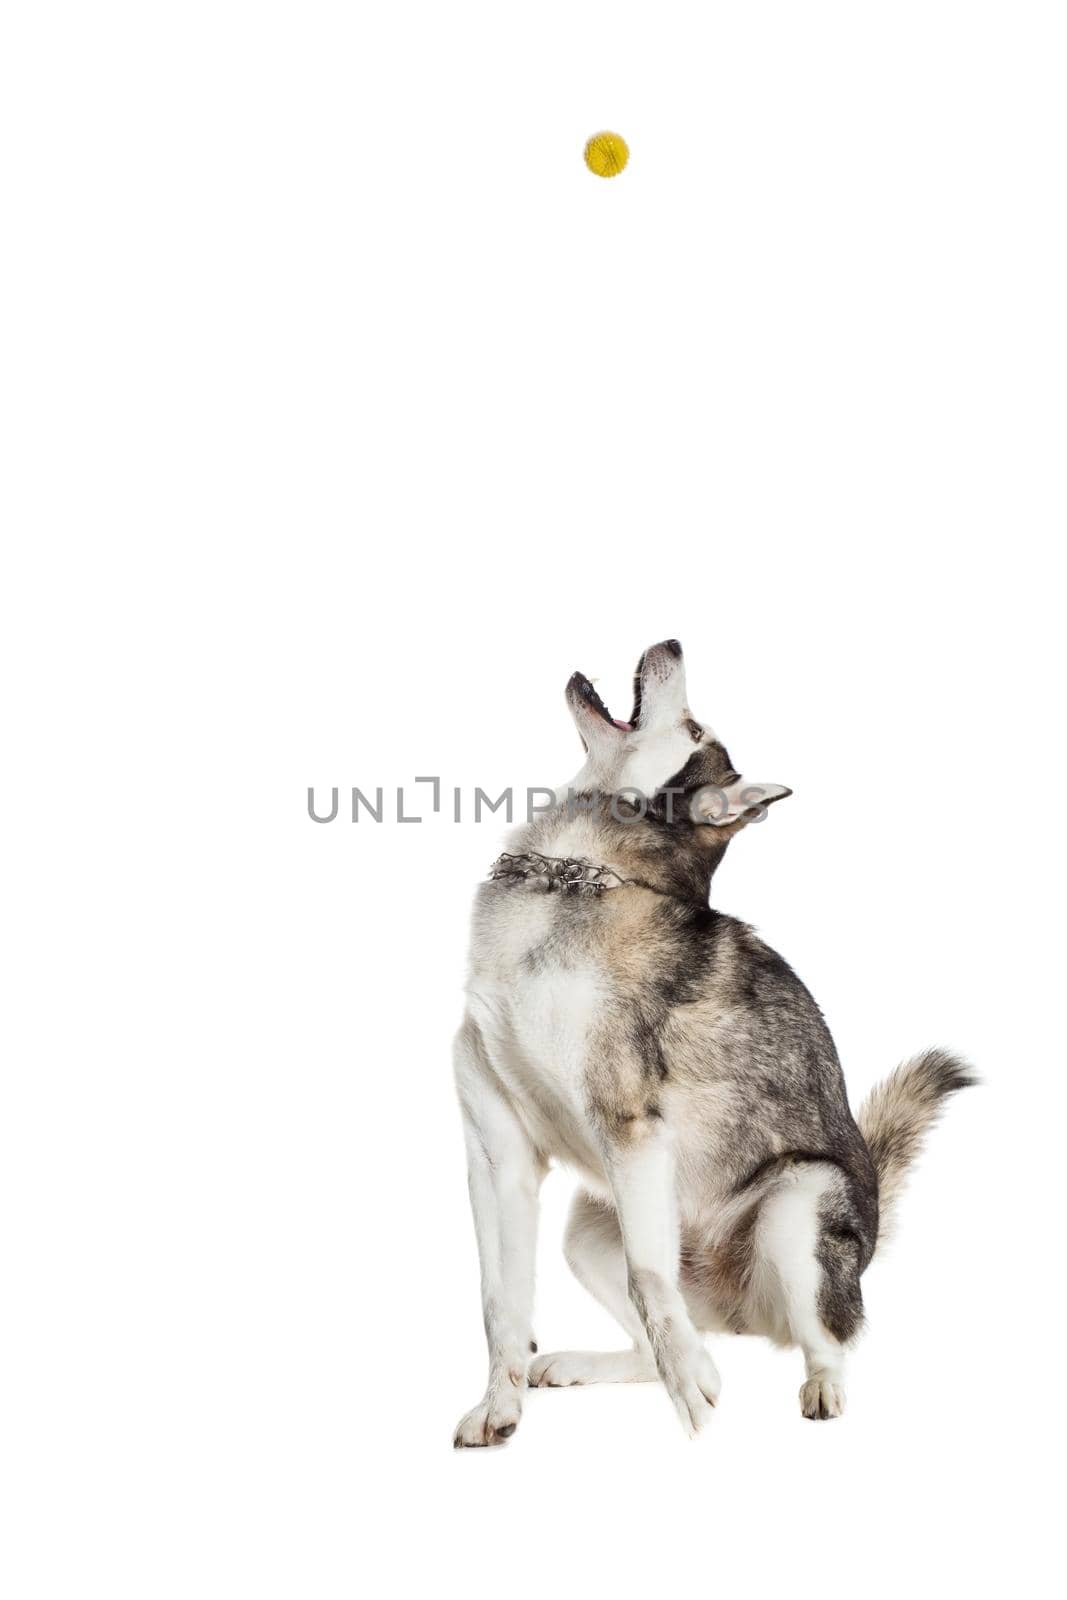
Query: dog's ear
[[710, 790], [734, 804]]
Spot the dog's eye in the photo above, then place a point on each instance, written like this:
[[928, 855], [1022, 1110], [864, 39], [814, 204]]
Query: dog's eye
[[696, 733]]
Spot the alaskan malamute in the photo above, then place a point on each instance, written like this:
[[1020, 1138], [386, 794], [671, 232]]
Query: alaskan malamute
[[618, 1024]]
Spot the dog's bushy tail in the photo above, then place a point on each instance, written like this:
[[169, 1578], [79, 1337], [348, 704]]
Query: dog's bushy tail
[[897, 1114]]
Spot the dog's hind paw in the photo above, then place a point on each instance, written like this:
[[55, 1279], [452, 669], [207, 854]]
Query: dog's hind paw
[[566, 1367], [821, 1398]]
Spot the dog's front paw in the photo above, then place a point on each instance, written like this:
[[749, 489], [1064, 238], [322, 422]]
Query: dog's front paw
[[497, 1417], [821, 1398], [493, 1421], [694, 1387]]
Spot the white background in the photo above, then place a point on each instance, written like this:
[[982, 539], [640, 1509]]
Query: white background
[[346, 415]]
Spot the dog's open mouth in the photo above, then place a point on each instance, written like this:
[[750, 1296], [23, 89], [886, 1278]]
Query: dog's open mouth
[[584, 689], [639, 676]]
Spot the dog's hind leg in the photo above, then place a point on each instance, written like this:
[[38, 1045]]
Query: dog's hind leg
[[592, 1246], [804, 1287], [504, 1173]]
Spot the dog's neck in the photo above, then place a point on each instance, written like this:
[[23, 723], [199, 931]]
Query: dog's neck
[[568, 875], [649, 846]]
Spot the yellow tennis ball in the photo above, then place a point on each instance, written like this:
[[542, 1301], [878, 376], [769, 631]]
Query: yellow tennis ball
[[606, 154]]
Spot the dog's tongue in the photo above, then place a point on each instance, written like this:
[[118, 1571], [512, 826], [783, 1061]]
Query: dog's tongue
[[627, 727]]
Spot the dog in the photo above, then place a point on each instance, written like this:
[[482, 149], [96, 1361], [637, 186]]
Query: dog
[[618, 1024]]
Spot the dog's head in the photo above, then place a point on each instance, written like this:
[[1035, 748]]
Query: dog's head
[[664, 749]]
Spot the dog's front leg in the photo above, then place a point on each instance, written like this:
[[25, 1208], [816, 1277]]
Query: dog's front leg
[[641, 1168], [504, 1172]]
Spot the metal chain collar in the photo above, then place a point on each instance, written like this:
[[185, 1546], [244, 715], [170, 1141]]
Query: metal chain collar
[[567, 875]]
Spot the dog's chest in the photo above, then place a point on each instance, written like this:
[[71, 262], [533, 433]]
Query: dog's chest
[[554, 1015], [539, 1020]]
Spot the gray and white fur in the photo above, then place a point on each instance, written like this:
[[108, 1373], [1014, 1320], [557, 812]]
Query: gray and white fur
[[662, 1051]]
